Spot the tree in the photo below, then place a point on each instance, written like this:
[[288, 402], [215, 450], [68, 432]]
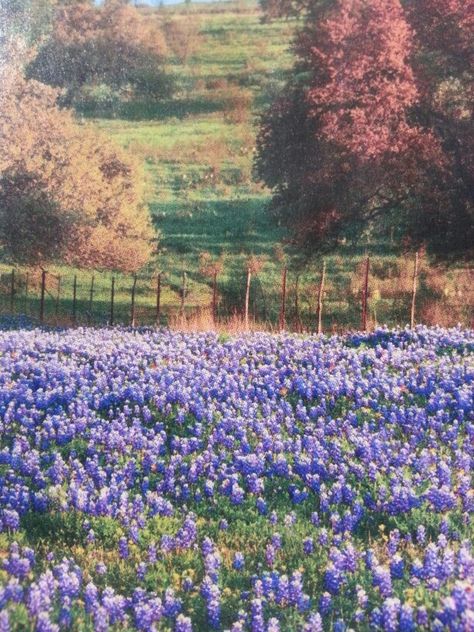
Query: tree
[[66, 193], [358, 137], [183, 37], [112, 44], [443, 62]]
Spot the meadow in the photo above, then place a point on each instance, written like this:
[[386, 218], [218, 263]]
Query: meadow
[[197, 149], [152, 480]]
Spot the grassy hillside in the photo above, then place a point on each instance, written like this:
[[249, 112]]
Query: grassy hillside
[[198, 151]]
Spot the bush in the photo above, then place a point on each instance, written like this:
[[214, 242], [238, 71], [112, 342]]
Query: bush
[[113, 45], [66, 193], [236, 105]]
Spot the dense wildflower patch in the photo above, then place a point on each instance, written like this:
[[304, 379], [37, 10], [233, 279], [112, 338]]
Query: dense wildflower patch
[[152, 480]]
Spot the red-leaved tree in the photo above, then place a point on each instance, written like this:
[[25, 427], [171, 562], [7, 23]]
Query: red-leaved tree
[[376, 125]]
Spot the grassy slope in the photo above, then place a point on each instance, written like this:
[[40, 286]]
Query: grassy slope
[[201, 193]]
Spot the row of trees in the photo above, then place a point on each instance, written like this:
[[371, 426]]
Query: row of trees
[[376, 123]]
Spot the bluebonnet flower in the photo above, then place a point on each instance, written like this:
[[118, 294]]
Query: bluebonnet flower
[[257, 620], [273, 625], [323, 537], [314, 623], [422, 616], [167, 421], [123, 548], [187, 584], [381, 579], [44, 624], [239, 561], [141, 570], [421, 534], [4, 621], [325, 603], [390, 614], [276, 540], [397, 566], [333, 579], [262, 507], [167, 543], [183, 624], [91, 597], [407, 619], [270, 554]]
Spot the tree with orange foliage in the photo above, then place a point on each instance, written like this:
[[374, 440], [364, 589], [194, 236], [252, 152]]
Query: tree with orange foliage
[[66, 193], [376, 125], [111, 44]]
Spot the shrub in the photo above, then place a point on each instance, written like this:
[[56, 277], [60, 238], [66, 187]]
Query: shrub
[[65, 192]]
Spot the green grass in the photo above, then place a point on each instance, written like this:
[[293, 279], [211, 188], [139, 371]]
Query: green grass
[[202, 195]]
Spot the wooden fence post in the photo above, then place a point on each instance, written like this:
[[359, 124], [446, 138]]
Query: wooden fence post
[[282, 319], [183, 296], [112, 296], [413, 293], [58, 296], [214, 297], [27, 278], [365, 294], [297, 305], [91, 299], [247, 297], [12, 292], [74, 300], [158, 299], [321, 298], [43, 290], [132, 308]]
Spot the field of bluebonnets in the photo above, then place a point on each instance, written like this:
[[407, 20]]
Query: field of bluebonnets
[[152, 480]]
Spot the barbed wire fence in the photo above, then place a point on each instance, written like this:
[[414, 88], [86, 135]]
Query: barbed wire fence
[[373, 295]]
